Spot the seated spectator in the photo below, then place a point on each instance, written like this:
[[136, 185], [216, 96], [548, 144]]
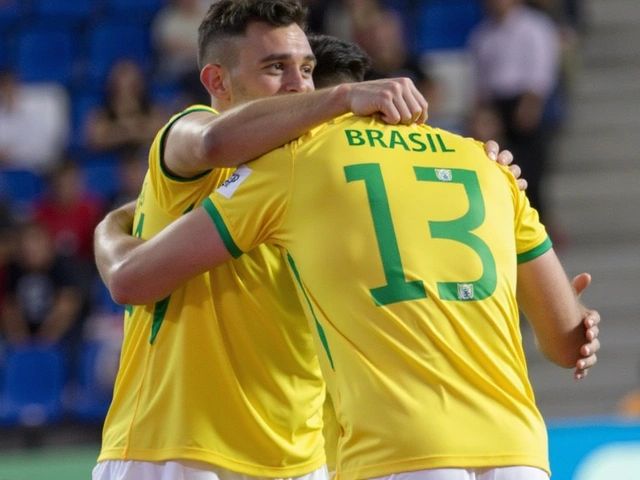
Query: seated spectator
[[127, 118], [43, 299], [70, 214], [34, 124]]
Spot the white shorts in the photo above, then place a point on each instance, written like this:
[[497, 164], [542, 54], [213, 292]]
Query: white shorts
[[183, 470], [501, 473]]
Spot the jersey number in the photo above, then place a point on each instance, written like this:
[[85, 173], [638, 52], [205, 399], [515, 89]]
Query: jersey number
[[397, 288]]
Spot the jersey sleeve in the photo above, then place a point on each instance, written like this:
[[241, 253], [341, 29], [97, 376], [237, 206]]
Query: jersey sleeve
[[249, 208], [175, 194], [532, 239]]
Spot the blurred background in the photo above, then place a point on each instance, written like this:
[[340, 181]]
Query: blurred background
[[85, 85]]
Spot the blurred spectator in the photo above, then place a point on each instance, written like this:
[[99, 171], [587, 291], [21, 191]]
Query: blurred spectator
[[175, 42], [43, 300], [128, 118], [70, 214], [131, 172], [390, 57], [34, 124], [175, 38], [7, 246], [516, 54], [568, 13]]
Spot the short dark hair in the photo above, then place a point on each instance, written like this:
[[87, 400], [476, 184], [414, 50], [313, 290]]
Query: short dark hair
[[338, 61], [227, 19]]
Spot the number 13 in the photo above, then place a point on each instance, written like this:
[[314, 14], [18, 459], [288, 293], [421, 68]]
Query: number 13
[[397, 288]]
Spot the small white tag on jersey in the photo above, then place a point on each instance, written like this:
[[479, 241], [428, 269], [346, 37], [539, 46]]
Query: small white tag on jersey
[[444, 175], [465, 291], [231, 184]]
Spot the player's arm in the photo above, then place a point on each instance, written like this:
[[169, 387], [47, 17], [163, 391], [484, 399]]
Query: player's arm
[[139, 272], [552, 307], [112, 237], [202, 140]]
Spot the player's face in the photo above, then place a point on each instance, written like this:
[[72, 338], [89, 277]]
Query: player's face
[[271, 61]]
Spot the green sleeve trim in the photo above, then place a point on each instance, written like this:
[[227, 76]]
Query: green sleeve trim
[[536, 252], [168, 126], [211, 209]]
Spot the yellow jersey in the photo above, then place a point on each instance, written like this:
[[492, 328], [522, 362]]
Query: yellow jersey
[[404, 243], [207, 374]]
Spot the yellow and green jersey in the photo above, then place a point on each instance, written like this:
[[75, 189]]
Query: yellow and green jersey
[[222, 371], [404, 243]]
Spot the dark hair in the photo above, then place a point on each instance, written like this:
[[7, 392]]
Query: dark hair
[[230, 18], [338, 61]]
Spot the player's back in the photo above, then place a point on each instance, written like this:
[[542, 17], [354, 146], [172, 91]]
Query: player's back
[[411, 280]]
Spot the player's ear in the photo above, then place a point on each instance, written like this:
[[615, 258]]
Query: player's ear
[[213, 77]]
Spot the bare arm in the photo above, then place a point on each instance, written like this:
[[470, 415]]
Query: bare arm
[[201, 141], [551, 306], [139, 272], [112, 237]]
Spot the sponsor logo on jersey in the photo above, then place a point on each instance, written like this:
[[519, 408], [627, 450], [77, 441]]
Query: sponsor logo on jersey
[[231, 184]]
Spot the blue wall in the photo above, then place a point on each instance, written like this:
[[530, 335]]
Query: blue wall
[[594, 449]]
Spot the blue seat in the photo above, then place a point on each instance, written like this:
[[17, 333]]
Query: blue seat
[[93, 394], [101, 175], [142, 9], [11, 12], [81, 106], [45, 54], [64, 10], [4, 48], [111, 41], [446, 24], [32, 385], [20, 187]]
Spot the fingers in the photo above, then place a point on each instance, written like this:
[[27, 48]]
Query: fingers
[[411, 105], [492, 149], [402, 102], [589, 349], [515, 170], [580, 283], [522, 184], [583, 365], [505, 158], [420, 107]]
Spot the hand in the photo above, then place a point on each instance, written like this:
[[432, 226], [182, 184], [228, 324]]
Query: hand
[[505, 157], [396, 99], [590, 322]]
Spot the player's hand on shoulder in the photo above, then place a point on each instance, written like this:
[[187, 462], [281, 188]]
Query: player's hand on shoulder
[[505, 157], [397, 100]]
